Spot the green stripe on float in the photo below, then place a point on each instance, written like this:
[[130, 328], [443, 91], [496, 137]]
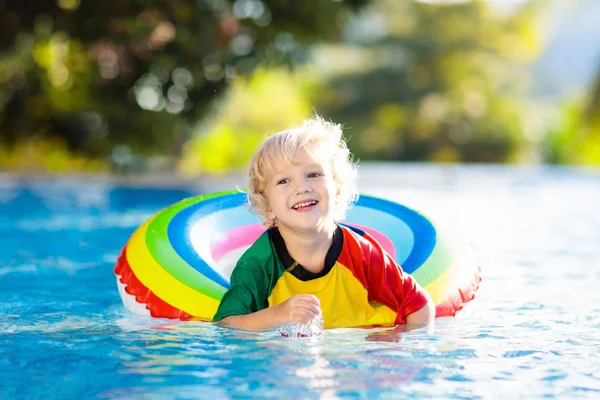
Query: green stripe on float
[[440, 259], [165, 255]]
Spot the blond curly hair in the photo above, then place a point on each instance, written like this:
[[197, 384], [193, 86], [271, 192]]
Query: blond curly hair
[[323, 137]]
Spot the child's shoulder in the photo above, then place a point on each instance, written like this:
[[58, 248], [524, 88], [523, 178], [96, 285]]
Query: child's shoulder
[[361, 243], [359, 238]]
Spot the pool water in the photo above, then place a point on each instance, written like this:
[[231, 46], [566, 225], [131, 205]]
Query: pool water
[[533, 330]]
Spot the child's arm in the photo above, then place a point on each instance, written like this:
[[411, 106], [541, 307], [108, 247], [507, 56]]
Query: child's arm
[[245, 306], [300, 309], [390, 285], [422, 317]]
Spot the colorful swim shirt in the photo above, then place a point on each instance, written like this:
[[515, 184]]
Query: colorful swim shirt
[[360, 284]]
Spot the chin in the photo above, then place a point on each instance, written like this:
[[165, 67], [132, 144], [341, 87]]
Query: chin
[[317, 223]]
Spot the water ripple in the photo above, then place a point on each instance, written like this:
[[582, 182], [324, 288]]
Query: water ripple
[[532, 331]]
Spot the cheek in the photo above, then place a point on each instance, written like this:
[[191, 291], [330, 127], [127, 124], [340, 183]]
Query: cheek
[[267, 203], [272, 202]]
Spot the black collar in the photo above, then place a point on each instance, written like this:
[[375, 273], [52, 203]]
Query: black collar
[[298, 270]]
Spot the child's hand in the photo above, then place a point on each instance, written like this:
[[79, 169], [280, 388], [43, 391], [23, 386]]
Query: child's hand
[[300, 309]]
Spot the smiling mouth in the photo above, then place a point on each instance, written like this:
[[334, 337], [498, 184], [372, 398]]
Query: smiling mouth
[[304, 204]]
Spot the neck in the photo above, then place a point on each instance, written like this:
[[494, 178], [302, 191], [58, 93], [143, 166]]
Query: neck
[[309, 238], [309, 247]]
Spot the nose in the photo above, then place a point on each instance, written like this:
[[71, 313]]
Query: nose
[[304, 186]]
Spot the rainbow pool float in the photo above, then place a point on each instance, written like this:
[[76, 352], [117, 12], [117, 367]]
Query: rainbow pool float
[[178, 263]]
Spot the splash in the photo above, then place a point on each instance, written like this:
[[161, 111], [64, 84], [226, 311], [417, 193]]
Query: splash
[[314, 329]]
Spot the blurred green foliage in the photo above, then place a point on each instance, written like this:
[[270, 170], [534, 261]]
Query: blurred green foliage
[[193, 86], [443, 83], [575, 139], [274, 98], [94, 76]]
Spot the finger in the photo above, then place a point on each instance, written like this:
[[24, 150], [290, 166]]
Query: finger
[[303, 317], [311, 298], [310, 307]]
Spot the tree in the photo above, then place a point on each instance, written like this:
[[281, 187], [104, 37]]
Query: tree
[[441, 82], [95, 74], [576, 138]]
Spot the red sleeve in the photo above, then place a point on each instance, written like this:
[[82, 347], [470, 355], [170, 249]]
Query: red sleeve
[[388, 284]]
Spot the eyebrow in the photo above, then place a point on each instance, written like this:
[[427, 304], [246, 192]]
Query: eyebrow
[[317, 166], [281, 175], [310, 166]]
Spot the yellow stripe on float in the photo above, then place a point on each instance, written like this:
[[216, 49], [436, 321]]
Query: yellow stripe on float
[[159, 281], [444, 286], [460, 272]]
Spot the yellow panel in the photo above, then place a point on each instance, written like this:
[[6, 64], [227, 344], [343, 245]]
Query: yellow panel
[[344, 300]]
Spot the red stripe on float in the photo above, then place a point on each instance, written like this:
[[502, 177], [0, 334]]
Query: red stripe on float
[[462, 296], [157, 307]]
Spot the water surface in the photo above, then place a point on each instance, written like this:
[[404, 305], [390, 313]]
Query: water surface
[[532, 332]]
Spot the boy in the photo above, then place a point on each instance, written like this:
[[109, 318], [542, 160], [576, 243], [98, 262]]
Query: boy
[[301, 181]]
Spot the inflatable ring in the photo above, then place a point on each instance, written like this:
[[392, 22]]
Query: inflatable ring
[[178, 263]]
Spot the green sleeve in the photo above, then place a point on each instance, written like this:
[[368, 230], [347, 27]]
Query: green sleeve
[[248, 292]]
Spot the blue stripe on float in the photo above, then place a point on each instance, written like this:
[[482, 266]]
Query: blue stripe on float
[[401, 217], [393, 228], [413, 234], [181, 225]]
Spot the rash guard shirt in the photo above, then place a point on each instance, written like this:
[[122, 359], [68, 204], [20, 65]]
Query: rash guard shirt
[[360, 284]]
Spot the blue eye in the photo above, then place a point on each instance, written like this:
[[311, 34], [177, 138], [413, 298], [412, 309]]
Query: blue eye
[[281, 182], [314, 175]]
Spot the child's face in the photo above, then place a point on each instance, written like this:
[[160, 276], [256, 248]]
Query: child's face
[[301, 195]]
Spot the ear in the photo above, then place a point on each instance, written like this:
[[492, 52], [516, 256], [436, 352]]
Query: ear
[[270, 215], [338, 190]]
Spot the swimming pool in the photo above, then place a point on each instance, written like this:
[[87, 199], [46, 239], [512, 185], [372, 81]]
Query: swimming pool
[[533, 330]]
